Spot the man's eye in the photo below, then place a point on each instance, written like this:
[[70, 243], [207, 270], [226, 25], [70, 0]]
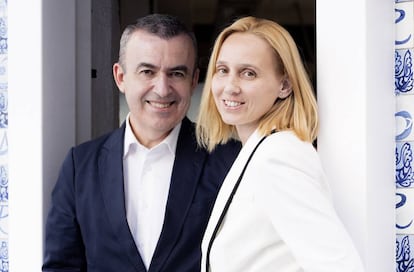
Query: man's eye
[[146, 72], [177, 74]]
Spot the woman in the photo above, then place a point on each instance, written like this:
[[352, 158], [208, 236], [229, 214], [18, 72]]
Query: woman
[[273, 211]]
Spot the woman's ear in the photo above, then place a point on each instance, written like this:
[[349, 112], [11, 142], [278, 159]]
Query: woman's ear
[[286, 88]]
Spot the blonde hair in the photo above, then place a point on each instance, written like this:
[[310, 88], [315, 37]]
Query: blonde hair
[[297, 112]]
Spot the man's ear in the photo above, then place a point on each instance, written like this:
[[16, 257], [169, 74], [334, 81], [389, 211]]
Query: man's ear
[[286, 88], [118, 73]]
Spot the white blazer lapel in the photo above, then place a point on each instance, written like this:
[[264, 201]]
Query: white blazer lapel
[[226, 190]]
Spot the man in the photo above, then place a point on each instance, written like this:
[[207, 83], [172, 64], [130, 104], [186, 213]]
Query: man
[[139, 198]]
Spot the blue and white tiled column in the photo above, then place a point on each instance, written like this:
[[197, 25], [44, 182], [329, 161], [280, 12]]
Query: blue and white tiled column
[[404, 94], [4, 173]]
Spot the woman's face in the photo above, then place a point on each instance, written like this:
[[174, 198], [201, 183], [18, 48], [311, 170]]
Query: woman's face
[[246, 82]]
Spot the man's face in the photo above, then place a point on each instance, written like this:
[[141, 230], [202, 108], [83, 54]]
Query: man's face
[[158, 80]]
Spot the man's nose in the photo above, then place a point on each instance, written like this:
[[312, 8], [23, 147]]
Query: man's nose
[[162, 85]]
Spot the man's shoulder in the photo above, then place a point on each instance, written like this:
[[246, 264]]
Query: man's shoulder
[[113, 139], [188, 139], [230, 148]]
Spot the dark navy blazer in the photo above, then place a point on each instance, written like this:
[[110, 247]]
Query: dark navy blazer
[[87, 229]]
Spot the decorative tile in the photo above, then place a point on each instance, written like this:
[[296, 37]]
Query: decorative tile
[[403, 256], [3, 68], [404, 34], [4, 112], [4, 216], [404, 125], [3, 35], [404, 118], [404, 211], [404, 175], [4, 145], [403, 71], [4, 184]]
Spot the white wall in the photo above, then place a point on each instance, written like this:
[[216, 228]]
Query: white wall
[[42, 59], [355, 61]]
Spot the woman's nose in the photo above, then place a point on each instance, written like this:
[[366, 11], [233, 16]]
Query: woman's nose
[[232, 85]]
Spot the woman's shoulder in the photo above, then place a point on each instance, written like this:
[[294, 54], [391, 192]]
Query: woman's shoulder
[[285, 148], [287, 141]]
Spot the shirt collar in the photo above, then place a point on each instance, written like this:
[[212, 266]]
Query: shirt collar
[[130, 141]]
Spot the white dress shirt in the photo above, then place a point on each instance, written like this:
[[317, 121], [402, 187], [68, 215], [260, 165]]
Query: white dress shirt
[[147, 175]]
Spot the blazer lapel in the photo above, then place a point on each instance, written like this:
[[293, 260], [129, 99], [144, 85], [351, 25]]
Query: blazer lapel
[[226, 190], [185, 176], [112, 188]]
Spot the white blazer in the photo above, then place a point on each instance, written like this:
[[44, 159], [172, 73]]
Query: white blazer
[[281, 217]]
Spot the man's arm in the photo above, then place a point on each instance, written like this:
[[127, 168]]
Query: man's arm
[[64, 249]]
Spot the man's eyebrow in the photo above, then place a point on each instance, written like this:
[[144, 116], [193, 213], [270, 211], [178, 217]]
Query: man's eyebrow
[[145, 65], [183, 68]]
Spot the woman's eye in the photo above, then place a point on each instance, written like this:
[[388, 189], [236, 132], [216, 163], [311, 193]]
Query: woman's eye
[[249, 74], [221, 71]]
